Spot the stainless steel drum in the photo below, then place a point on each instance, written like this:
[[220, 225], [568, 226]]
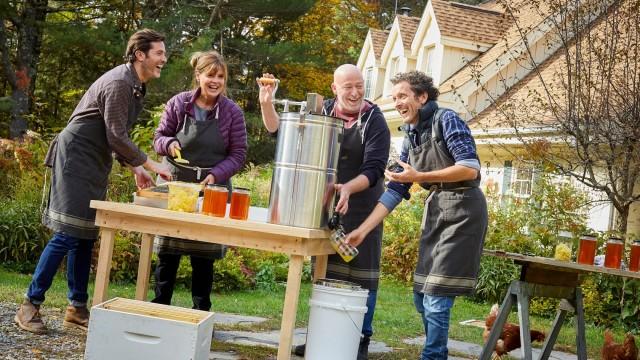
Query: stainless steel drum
[[307, 153]]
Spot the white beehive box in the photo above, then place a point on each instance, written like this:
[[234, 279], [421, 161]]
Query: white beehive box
[[125, 329]]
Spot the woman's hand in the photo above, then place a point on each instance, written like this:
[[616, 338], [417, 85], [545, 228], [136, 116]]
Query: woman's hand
[[210, 179], [408, 175], [172, 148]]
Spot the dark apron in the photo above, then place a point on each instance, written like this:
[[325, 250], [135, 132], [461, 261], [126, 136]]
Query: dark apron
[[203, 145], [453, 230], [80, 160], [364, 269]]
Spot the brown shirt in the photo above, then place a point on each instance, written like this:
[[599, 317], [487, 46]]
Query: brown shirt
[[116, 98]]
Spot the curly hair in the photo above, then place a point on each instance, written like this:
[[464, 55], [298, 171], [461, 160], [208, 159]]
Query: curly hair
[[141, 40], [420, 83]]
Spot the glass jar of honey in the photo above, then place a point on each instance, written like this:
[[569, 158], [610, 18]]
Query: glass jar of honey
[[239, 204], [613, 253], [587, 249], [634, 259], [215, 200]]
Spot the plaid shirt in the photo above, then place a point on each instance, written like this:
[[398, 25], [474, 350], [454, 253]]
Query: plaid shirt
[[457, 137]]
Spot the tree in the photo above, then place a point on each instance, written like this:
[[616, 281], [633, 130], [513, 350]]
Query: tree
[[25, 19], [586, 94]]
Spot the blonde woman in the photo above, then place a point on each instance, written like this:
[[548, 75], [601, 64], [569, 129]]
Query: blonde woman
[[209, 130]]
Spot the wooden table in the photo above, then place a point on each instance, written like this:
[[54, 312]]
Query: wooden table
[[551, 278], [293, 241]]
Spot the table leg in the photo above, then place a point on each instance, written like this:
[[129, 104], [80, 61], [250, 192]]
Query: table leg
[[320, 270], [523, 316], [107, 237], [144, 267], [553, 335], [290, 306], [581, 340], [496, 330]]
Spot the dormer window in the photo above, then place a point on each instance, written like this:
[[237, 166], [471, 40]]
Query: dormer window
[[368, 86]]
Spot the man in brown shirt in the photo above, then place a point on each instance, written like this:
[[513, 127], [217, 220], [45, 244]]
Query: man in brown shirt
[[81, 158]]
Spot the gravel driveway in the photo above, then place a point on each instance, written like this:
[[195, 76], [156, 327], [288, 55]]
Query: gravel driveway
[[58, 343]]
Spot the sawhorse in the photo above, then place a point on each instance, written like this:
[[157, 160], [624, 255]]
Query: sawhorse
[[521, 291]]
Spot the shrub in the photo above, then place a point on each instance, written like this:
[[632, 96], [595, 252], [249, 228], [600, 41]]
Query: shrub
[[401, 237], [22, 236], [528, 226], [257, 178], [494, 279]]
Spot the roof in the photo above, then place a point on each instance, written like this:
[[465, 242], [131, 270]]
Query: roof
[[408, 28], [529, 16], [491, 5], [520, 105], [526, 103], [378, 39], [468, 22]]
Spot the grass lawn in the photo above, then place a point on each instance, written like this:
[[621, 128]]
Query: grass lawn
[[395, 318]]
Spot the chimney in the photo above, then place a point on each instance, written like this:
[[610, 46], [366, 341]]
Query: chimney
[[405, 11]]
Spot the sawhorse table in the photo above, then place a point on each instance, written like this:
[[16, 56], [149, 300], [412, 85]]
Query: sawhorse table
[[550, 278], [293, 241]]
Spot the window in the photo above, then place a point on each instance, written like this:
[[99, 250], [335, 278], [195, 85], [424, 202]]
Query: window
[[395, 64], [522, 181], [429, 59], [517, 182], [368, 86]]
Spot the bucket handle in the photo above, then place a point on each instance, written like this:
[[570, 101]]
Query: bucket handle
[[347, 308]]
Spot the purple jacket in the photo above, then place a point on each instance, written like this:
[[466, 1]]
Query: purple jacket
[[230, 123]]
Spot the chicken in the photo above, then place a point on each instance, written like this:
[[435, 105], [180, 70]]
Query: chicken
[[509, 339], [613, 351]]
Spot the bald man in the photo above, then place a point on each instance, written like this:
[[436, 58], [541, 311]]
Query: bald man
[[363, 156]]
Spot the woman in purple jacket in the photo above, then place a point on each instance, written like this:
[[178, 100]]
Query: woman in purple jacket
[[209, 130]]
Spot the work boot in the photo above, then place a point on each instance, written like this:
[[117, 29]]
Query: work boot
[[299, 349], [363, 349], [76, 317], [28, 318]]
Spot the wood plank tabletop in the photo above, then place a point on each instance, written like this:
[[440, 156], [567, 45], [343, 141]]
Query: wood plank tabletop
[[201, 219], [558, 265]]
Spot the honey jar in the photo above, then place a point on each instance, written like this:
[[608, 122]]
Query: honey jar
[[239, 204], [634, 259], [613, 253], [587, 250], [215, 200]]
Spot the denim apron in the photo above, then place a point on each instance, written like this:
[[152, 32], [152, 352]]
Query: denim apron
[[453, 225], [364, 269], [202, 144]]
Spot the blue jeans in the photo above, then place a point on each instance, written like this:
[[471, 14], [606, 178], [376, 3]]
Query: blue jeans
[[78, 253], [367, 324], [436, 313]]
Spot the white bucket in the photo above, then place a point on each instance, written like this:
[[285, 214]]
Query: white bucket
[[336, 313]]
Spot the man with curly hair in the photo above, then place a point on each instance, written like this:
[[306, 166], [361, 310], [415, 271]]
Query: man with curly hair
[[439, 153]]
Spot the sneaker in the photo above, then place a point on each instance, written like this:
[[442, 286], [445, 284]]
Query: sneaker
[[28, 318], [299, 349], [76, 317]]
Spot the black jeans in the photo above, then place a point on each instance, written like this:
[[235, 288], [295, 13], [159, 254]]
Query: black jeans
[[201, 280]]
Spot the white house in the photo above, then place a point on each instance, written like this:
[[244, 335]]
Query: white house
[[474, 54]]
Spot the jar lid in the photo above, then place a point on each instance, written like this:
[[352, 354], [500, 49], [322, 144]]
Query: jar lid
[[636, 241], [212, 186], [588, 237], [615, 239], [241, 188]]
